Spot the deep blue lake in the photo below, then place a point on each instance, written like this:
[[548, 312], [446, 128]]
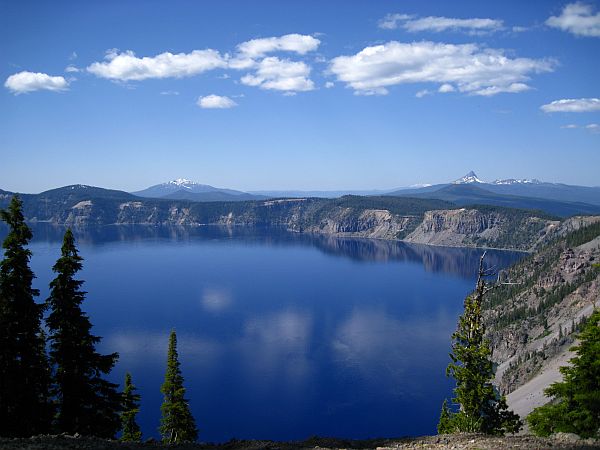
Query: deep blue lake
[[281, 335]]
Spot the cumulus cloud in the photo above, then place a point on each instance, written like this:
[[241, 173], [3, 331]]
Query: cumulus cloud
[[71, 69], [439, 24], [423, 93], [271, 72], [280, 74], [126, 66], [215, 102], [446, 87], [297, 43], [467, 67], [572, 105], [23, 82], [577, 18]]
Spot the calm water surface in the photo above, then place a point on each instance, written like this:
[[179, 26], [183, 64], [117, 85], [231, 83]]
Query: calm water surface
[[281, 335]]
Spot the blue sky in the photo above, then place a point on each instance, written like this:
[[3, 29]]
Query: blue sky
[[297, 94]]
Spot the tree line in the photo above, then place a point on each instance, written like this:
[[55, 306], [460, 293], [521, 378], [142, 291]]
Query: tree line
[[52, 378]]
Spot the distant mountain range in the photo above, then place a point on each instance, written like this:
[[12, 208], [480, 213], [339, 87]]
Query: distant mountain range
[[183, 189], [551, 198]]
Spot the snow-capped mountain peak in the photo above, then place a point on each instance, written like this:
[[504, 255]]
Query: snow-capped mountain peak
[[471, 177], [182, 182], [515, 181]]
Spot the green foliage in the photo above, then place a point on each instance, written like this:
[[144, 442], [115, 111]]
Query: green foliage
[[177, 423], [87, 403], [583, 235], [131, 407], [481, 408], [576, 405], [25, 407], [445, 424]]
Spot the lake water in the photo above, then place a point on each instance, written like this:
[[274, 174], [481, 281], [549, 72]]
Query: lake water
[[281, 335]]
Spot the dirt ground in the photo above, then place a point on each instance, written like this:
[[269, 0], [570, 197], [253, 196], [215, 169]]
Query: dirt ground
[[461, 441]]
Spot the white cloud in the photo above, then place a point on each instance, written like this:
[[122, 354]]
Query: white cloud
[[281, 75], [593, 128], [169, 93], [128, 67], [215, 102], [468, 67], [71, 69], [297, 43], [572, 105], [390, 22], [445, 88], [577, 18], [329, 85], [271, 72], [23, 82], [423, 93], [439, 24]]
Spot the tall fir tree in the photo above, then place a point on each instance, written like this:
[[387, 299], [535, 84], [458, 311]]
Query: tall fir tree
[[481, 408], [25, 407], [131, 407], [177, 423], [575, 405], [87, 403]]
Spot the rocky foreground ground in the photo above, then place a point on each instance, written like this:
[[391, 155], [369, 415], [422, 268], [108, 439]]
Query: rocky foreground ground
[[461, 441]]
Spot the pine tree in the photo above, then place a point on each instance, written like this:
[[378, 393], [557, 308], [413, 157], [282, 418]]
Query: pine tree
[[25, 407], [87, 403], [576, 399], [131, 406], [177, 423], [481, 408]]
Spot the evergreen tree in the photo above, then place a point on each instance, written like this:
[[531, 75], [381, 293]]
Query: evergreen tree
[[576, 404], [481, 408], [177, 423], [87, 403], [131, 406], [25, 407]]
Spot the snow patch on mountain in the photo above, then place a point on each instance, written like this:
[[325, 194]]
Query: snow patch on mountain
[[469, 178], [515, 181]]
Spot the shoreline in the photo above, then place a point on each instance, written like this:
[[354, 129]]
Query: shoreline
[[309, 233]]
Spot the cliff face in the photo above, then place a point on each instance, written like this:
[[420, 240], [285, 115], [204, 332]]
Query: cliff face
[[534, 320], [486, 228], [423, 221], [462, 227], [372, 223]]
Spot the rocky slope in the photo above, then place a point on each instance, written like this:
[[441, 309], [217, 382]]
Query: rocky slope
[[533, 321], [482, 227], [422, 221]]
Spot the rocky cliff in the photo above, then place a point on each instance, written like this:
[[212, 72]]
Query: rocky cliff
[[533, 320], [482, 227], [424, 221]]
